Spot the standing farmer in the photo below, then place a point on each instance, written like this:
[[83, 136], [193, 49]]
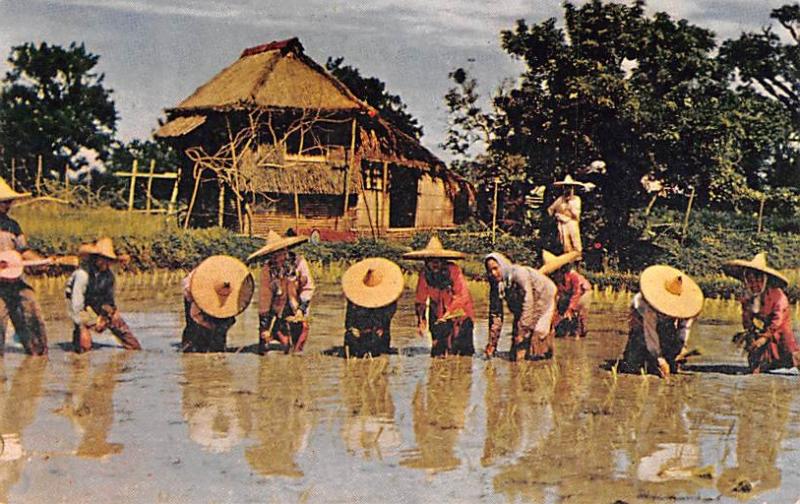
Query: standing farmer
[[284, 294], [217, 290], [531, 298], [372, 287], [566, 209], [574, 293], [90, 298], [17, 300], [766, 315], [449, 312], [662, 314]]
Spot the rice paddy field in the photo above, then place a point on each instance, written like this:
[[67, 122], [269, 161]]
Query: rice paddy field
[[160, 426]]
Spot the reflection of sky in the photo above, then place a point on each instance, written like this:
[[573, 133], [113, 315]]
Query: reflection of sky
[[156, 53]]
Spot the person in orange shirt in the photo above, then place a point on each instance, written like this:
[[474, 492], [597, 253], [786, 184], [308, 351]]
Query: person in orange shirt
[[449, 314], [768, 338], [574, 293]]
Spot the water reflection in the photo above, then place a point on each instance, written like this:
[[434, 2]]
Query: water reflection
[[89, 403], [439, 410], [280, 415], [210, 407], [369, 429], [19, 400]]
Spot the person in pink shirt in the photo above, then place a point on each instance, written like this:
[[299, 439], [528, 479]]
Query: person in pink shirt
[[449, 313], [574, 293], [768, 338]]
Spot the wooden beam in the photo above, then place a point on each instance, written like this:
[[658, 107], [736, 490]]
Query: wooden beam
[[385, 187], [193, 198], [170, 176], [150, 184], [173, 199], [134, 172], [350, 167], [39, 175]]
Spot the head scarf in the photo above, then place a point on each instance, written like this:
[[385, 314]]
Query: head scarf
[[505, 271]]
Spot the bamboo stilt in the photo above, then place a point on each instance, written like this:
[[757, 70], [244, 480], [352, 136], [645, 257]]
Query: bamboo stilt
[[350, 167], [39, 175], [150, 184], [132, 192]]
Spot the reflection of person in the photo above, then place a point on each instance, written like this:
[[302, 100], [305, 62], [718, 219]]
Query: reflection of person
[[369, 428], [574, 293], [280, 421], [90, 404], [371, 287], [212, 411], [18, 405], [439, 411], [661, 317], [531, 298], [284, 294], [217, 290], [90, 298], [449, 313], [17, 300], [566, 209], [766, 315]]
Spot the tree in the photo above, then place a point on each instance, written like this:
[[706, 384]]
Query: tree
[[53, 104], [373, 91]]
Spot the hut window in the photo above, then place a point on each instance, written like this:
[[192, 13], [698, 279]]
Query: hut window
[[372, 175]]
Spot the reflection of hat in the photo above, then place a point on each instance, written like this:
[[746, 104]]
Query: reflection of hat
[[759, 263], [553, 263], [222, 286], [671, 292], [102, 247], [373, 282], [569, 181], [276, 242], [7, 193], [432, 250]]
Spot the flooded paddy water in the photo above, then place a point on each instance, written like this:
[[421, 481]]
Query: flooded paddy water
[[160, 426]]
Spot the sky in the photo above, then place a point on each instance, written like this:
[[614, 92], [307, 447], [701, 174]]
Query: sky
[[154, 53]]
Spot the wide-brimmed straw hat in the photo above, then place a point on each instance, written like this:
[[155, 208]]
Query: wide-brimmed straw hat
[[103, 247], [553, 263], [434, 250], [8, 194], [222, 286], [277, 242], [373, 282], [736, 268], [671, 292], [569, 181]]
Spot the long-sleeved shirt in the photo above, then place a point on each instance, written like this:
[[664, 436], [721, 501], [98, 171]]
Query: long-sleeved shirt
[[87, 287], [775, 313], [651, 320], [445, 299], [566, 208], [574, 286]]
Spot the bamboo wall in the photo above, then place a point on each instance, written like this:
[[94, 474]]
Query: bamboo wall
[[434, 207]]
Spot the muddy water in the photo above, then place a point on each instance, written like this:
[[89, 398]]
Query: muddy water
[[158, 426]]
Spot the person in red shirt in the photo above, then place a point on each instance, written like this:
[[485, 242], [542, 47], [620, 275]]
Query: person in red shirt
[[574, 293], [449, 314], [768, 338]]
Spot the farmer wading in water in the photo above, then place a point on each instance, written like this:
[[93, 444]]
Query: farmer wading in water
[[449, 313], [284, 295], [574, 293], [768, 338], [531, 298], [90, 298]]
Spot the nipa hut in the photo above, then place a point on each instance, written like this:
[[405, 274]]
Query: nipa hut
[[275, 142]]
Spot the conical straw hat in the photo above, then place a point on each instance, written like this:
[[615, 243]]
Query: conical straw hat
[[432, 250], [568, 180], [7, 193], [553, 263], [277, 242], [102, 247], [373, 282], [671, 292], [222, 286], [736, 268]]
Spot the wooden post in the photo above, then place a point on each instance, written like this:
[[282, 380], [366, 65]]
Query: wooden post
[[134, 171], [13, 173], [686, 217], [761, 212], [150, 184], [494, 210], [350, 167], [39, 175], [383, 221], [173, 199], [66, 175], [192, 199], [221, 214]]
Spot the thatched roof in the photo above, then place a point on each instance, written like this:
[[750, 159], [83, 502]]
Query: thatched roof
[[180, 126], [274, 75]]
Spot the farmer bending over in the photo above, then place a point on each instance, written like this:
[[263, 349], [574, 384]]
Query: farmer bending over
[[574, 293]]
